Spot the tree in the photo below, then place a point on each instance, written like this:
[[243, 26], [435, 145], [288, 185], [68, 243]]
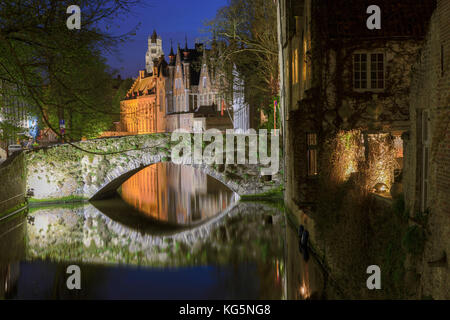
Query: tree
[[60, 70], [247, 37]]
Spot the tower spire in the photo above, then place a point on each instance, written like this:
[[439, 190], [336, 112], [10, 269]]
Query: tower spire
[[154, 36], [171, 48]]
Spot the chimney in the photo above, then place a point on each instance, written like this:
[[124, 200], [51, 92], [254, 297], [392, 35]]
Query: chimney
[[141, 74]]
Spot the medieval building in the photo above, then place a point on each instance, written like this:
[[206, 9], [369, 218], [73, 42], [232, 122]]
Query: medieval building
[[341, 77], [144, 108], [154, 52], [181, 94], [427, 150], [352, 137], [195, 101]]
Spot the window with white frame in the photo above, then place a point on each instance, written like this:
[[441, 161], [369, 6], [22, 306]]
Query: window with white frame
[[368, 71]]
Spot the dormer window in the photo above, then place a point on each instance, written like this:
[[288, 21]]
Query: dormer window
[[368, 71]]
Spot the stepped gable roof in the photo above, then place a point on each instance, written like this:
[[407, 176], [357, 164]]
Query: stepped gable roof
[[401, 18], [142, 86], [194, 58]]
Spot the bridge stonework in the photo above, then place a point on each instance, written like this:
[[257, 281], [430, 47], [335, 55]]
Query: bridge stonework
[[65, 173]]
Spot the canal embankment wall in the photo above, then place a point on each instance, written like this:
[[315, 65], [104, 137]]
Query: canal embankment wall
[[12, 183]]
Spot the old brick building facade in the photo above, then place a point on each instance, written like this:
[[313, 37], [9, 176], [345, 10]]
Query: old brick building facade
[[144, 108], [341, 77], [356, 114], [180, 94], [427, 184], [193, 94]]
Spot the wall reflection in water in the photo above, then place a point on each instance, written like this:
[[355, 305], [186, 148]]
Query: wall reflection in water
[[176, 194], [12, 251], [241, 258]]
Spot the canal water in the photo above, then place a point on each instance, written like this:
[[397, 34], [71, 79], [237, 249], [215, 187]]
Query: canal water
[[172, 232]]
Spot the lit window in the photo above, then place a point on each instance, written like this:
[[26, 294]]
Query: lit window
[[312, 153], [295, 67], [368, 75]]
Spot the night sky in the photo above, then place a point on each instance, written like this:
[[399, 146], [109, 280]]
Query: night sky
[[172, 19]]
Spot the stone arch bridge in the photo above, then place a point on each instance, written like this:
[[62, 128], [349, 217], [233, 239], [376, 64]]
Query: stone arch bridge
[[66, 173]]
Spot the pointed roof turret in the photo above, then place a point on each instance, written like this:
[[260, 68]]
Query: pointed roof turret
[[171, 54], [154, 36], [171, 49]]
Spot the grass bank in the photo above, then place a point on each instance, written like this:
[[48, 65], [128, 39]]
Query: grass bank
[[63, 200], [274, 195], [4, 215]]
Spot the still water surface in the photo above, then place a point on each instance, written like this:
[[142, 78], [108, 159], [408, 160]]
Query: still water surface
[[130, 246], [176, 194]]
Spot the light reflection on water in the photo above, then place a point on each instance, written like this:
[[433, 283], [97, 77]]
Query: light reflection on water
[[241, 259], [176, 194], [253, 253]]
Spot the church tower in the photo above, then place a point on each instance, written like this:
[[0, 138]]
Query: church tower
[[154, 52]]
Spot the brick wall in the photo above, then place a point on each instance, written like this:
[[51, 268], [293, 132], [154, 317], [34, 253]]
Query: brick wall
[[430, 91], [12, 183]]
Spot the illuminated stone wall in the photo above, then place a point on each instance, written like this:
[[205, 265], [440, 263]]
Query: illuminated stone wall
[[12, 183], [431, 92]]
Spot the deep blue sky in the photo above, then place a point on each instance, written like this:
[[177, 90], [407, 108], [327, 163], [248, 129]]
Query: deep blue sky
[[172, 19]]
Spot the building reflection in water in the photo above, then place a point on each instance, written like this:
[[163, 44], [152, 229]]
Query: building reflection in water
[[176, 194]]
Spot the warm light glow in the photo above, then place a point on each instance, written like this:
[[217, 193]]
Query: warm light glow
[[278, 272], [304, 292], [350, 169], [348, 153], [295, 67], [380, 188], [175, 194]]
